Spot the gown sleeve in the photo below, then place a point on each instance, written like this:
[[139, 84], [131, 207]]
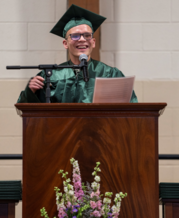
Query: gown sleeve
[[27, 96]]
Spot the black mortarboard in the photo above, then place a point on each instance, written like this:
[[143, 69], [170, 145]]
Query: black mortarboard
[[75, 16]]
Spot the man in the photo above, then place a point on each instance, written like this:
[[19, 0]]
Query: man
[[76, 26]]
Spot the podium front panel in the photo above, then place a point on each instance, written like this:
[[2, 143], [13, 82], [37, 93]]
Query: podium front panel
[[125, 142]]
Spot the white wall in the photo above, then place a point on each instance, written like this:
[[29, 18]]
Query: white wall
[[141, 37], [25, 37]]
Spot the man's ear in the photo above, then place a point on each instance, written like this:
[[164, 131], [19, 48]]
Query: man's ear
[[65, 44], [94, 42]]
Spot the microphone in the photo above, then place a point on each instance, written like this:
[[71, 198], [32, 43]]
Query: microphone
[[83, 59]]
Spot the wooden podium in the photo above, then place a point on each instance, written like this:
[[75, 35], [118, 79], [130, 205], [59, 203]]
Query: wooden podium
[[123, 137]]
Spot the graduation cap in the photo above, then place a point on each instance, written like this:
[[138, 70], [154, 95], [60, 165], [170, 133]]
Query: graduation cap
[[75, 16]]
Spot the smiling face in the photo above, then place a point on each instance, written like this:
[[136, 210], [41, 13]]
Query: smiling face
[[81, 46]]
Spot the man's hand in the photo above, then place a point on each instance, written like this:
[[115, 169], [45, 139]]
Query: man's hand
[[36, 83]]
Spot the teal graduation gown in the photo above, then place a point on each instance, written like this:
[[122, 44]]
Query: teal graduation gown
[[69, 87]]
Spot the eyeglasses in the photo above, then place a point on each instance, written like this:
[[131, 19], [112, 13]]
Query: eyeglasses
[[77, 36]]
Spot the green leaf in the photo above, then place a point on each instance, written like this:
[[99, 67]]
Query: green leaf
[[61, 171], [44, 213], [56, 189], [72, 160]]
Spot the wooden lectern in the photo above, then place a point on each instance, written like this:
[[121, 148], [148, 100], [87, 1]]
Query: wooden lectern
[[123, 137]]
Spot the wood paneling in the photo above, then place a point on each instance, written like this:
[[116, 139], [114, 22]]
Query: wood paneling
[[123, 137], [171, 208], [3, 210], [168, 210], [7, 209], [91, 5]]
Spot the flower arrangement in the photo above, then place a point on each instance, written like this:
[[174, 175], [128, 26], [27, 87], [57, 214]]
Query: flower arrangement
[[79, 200]]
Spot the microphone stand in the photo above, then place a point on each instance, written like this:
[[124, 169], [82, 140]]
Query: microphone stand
[[48, 72]]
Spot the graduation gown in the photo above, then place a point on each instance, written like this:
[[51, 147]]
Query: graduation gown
[[68, 86]]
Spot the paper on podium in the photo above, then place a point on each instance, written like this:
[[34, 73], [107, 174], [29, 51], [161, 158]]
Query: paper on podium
[[113, 90]]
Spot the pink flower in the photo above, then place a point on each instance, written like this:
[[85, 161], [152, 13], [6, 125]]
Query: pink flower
[[80, 192], [95, 194], [115, 215], [92, 194], [68, 204], [76, 177], [77, 185], [61, 213], [99, 204], [96, 213], [92, 204]]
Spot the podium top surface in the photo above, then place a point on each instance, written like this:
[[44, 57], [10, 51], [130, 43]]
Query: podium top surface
[[92, 109]]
